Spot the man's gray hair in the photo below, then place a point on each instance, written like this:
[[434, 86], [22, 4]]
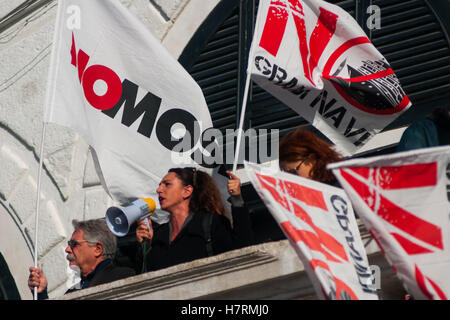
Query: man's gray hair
[[96, 230]]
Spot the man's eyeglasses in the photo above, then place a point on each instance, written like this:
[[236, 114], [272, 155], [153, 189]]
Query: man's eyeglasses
[[295, 169], [74, 243]]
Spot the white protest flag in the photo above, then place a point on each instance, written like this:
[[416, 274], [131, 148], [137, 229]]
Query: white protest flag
[[314, 57], [404, 201], [319, 222], [114, 83]]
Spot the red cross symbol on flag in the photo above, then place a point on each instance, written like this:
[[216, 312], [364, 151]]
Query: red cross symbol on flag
[[382, 188]]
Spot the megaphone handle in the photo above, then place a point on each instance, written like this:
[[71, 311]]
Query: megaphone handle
[[145, 218], [144, 246]]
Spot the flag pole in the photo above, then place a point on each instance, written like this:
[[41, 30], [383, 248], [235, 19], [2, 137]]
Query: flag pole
[[241, 121], [36, 223], [244, 106]]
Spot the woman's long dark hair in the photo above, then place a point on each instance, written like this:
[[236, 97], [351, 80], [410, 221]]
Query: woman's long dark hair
[[206, 196], [300, 144]]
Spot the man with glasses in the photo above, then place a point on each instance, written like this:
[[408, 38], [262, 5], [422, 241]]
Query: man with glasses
[[91, 248]]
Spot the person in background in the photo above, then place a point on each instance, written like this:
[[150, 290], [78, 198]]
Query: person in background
[[431, 131], [198, 227], [304, 154], [91, 248]]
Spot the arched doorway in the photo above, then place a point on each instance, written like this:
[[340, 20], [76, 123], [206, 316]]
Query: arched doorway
[[8, 288], [15, 258]]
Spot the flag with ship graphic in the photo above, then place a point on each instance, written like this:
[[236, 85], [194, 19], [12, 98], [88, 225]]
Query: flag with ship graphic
[[314, 57]]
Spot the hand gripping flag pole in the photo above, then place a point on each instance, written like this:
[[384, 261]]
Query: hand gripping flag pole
[[48, 98]]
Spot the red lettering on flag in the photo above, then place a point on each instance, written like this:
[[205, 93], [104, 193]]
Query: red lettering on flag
[[309, 196], [73, 52], [321, 36], [113, 93], [341, 286], [88, 77], [309, 238], [408, 176], [409, 223], [421, 282], [79, 60], [275, 28], [402, 177], [278, 198], [438, 290], [319, 263], [324, 238], [301, 33], [409, 246], [316, 241], [366, 194]]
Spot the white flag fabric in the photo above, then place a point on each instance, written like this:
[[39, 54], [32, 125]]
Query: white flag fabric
[[319, 222], [314, 57], [404, 201], [114, 83]]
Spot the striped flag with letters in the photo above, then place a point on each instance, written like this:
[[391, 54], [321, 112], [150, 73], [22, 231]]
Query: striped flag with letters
[[404, 201], [319, 222]]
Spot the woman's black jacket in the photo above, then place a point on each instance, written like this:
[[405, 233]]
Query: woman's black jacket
[[191, 242]]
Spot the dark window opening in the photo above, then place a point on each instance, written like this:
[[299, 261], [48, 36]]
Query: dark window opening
[[8, 288]]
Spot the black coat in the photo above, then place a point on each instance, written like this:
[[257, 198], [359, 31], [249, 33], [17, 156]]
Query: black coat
[[109, 273], [104, 272], [190, 243]]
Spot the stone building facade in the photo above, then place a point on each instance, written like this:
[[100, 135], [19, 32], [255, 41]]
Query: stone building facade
[[70, 187]]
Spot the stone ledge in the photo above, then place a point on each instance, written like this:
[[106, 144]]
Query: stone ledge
[[265, 271], [203, 277]]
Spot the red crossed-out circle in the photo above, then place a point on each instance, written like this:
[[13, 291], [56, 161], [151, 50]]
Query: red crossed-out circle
[[332, 60]]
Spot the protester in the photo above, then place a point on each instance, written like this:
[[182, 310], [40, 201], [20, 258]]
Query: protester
[[302, 153], [431, 131], [198, 227], [91, 248]]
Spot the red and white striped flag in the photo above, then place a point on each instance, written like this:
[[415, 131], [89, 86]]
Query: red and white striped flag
[[319, 222], [314, 57], [404, 201]]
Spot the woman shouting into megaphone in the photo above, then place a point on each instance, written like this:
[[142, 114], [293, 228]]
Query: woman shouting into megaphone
[[197, 227]]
